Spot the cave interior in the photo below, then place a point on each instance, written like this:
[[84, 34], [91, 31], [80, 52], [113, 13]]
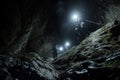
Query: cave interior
[[60, 40]]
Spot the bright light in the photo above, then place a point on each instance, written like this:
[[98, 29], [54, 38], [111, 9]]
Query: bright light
[[67, 44], [75, 16], [61, 48]]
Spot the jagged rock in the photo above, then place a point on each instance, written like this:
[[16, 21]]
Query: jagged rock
[[101, 53], [23, 45], [23, 41], [26, 67], [4, 74]]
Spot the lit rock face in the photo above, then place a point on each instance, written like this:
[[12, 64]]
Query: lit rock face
[[95, 58], [26, 67]]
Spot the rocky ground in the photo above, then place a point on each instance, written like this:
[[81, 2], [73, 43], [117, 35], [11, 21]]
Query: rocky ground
[[27, 45], [24, 67], [95, 58]]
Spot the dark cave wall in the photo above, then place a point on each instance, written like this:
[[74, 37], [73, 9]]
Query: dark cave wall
[[21, 37], [23, 23]]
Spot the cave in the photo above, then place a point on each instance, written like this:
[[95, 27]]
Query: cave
[[60, 40]]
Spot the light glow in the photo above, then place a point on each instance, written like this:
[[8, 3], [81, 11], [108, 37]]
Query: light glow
[[75, 16], [61, 48], [67, 44]]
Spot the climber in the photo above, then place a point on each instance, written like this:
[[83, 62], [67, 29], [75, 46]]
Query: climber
[[54, 52]]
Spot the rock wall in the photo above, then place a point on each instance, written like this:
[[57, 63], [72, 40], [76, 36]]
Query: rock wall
[[22, 40], [29, 66], [23, 27], [23, 46], [95, 58]]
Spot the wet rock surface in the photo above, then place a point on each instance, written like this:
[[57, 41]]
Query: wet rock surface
[[95, 58], [24, 68], [92, 70], [23, 44]]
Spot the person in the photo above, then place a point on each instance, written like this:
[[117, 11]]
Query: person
[[82, 24], [78, 26], [54, 52]]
